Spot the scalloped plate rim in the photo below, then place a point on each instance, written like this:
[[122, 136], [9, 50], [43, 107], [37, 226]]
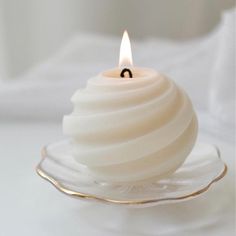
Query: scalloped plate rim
[[82, 195]]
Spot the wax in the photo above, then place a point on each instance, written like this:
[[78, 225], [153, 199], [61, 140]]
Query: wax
[[131, 129]]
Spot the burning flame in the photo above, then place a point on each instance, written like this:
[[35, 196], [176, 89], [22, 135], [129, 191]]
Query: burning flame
[[125, 59]]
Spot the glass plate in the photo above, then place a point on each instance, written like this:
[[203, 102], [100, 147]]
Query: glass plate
[[202, 168]]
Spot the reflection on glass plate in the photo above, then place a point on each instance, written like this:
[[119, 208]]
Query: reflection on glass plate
[[202, 168]]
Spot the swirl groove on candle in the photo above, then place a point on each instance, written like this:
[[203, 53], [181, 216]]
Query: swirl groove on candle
[[130, 129]]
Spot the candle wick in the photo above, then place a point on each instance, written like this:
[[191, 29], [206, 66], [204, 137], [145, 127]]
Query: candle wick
[[122, 74]]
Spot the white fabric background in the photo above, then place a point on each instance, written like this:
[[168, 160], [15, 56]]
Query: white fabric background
[[32, 107], [32, 30], [204, 67]]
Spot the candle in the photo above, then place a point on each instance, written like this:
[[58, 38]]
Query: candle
[[131, 124]]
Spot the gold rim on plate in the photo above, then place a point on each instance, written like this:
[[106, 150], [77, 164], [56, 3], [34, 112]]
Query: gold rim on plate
[[75, 194]]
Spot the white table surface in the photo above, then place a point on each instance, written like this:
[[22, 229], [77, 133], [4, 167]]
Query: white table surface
[[31, 206]]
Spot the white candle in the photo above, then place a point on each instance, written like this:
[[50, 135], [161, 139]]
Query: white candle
[[131, 129]]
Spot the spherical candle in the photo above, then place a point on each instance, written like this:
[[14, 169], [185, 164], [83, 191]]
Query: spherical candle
[[131, 129]]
